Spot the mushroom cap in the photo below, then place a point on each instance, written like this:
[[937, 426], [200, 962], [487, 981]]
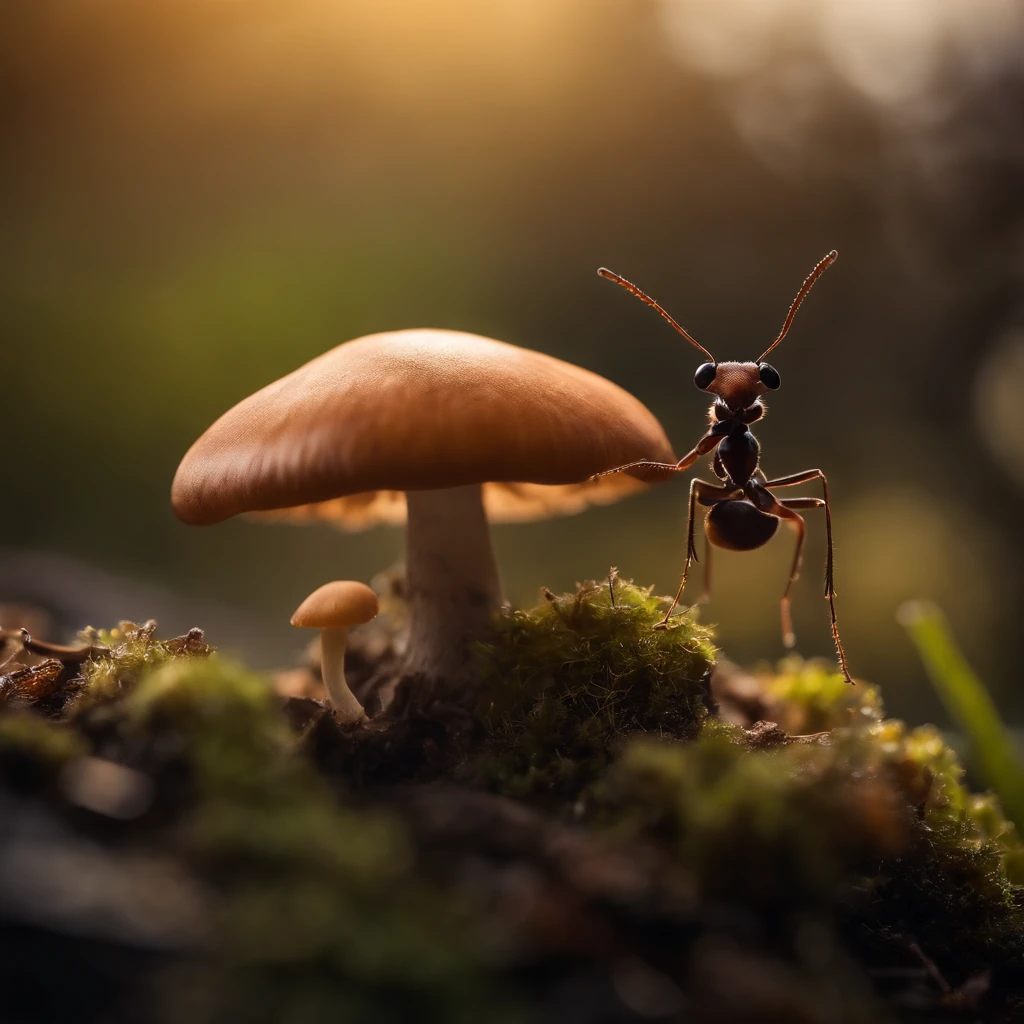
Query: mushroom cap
[[338, 604], [420, 410]]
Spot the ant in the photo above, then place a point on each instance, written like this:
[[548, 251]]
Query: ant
[[743, 513]]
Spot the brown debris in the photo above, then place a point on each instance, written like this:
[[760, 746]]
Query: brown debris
[[69, 655], [765, 735], [192, 642], [29, 685]]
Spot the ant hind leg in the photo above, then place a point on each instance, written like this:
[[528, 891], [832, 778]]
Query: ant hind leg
[[830, 592], [797, 522]]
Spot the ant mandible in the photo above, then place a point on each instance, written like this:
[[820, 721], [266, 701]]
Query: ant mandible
[[743, 514]]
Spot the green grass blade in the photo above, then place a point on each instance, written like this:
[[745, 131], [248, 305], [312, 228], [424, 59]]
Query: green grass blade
[[969, 705]]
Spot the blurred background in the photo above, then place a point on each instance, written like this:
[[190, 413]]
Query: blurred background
[[197, 196]]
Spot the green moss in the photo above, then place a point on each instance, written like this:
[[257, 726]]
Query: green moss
[[771, 829], [566, 681], [133, 650], [806, 697], [811, 696], [869, 829], [954, 887]]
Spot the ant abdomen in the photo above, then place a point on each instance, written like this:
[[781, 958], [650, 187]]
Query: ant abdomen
[[739, 526]]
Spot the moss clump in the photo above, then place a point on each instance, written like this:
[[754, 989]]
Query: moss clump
[[132, 649], [953, 889], [811, 696], [768, 829], [868, 830], [565, 682]]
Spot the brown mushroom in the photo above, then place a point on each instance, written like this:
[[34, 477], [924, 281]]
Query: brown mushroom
[[333, 609], [467, 427]]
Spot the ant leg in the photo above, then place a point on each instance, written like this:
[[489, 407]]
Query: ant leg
[[830, 592], [691, 554], [794, 478], [705, 596], [704, 446], [768, 503], [802, 503], [671, 467], [707, 494], [797, 522]]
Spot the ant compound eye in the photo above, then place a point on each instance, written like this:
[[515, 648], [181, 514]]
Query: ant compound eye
[[770, 377], [705, 375]]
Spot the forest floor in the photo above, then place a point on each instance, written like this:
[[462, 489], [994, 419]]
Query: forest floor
[[615, 826]]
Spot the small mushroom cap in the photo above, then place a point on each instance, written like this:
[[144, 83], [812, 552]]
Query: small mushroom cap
[[338, 604], [420, 410]]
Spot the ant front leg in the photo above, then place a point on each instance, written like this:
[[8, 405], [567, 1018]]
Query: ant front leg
[[707, 494], [670, 467], [704, 446]]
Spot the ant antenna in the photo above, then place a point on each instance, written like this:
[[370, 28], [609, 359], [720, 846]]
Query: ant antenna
[[644, 297], [820, 267]]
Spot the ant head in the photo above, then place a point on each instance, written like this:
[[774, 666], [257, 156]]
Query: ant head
[[739, 385]]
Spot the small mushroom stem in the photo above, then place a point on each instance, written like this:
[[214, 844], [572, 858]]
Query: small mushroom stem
[[332, 662], [452, 581]]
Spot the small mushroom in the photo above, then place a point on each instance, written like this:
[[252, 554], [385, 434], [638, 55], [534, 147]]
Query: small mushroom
[[440, 430], [333, 609]]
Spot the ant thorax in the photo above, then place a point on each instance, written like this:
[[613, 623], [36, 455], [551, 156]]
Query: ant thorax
[[737, 455]]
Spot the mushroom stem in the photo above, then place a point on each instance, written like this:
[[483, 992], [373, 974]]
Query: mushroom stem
[[452, 580], [332, 662]]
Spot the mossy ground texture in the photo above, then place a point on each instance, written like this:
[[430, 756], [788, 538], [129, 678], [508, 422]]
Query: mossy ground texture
[[600, 833]]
